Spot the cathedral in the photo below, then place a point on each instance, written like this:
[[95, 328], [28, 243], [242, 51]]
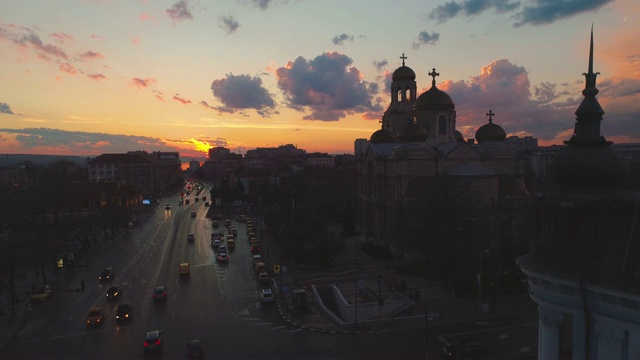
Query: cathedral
[[428, 195]]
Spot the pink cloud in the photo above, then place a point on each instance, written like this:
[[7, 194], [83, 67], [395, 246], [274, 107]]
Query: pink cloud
[[143, 83], [145, 17], [90, 55], [177, 97], [62, 37], [68, 68], [97, 77]]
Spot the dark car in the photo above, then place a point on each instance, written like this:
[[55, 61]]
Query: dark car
[[123, 314], [114, 292], [153, 341], [255, 249], [106, 275], [160, 293], [167, 207], [194, 350]]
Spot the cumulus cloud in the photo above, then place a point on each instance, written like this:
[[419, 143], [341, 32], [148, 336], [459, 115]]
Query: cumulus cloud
[[424, 38], [535, 12], [340, 39], [180, 11], [27, 38], [5, 109], [90, 55], [228, 24], [143, 83], [380, 65], [328, 86], [242, 92], [68, 68]]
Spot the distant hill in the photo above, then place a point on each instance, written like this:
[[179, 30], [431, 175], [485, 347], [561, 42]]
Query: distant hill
[[13, 159]]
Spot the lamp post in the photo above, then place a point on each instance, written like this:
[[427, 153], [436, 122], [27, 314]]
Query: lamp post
[[482, 253]]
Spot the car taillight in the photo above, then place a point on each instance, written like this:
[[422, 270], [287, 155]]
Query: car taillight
[[158, 342], [146, 344]]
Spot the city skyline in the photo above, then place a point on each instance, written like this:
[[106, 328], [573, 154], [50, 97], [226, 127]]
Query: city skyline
[[92, 77]]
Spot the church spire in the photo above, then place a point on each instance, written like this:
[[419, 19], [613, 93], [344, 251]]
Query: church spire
[[589, 113]]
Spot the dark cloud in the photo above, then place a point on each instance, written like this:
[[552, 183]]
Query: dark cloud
[[241, 92], [546, 12], [340, 39], [424, 38], [228, 24], [535, 12], [180, 11], [328, 86], [84, 142], [5, 109], [380, 65]]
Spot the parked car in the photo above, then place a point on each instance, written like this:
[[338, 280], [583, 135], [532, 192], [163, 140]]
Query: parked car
[[194, 214], [41, 294], [191, 237], [123, 313], [160, 293], [95, 316], [106, 275]]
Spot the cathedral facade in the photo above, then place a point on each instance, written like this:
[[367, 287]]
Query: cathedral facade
[[427, 194]]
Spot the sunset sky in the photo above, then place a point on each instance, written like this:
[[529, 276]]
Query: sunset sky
[[86, 77]]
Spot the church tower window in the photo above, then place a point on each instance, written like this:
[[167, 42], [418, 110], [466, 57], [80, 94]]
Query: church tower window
[[442, 125]]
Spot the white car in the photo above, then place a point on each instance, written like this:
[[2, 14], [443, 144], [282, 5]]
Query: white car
[[266, 296]]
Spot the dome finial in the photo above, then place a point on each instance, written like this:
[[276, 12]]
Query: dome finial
[[490, 114], [433, 74], [403, 58]]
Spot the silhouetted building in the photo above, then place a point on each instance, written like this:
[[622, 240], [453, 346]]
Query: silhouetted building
[[134, 169], [583, 270]]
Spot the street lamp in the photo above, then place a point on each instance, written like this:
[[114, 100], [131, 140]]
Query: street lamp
[[482, 253]]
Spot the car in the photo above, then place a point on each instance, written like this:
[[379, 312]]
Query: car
[[114, 292], [263, 278], [216, 235], [255, 248], [207, 203], [167, 207], [215, 243], [193, 214], [183, 268], [241, 218], [106, 275], [160, 293], [222, 257], [41, 294], [253, 240], [196, 199], [153, 341], [194, 350], [123, 313], [231, 243], [222, 249], [95, 316], [215, 224], [233, 231], [466, 349], [191, 237], [187, 201], [266, 296], [256, 259], [204, 198], [227, 222]]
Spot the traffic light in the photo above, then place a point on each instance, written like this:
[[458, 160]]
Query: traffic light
[[82, 285]]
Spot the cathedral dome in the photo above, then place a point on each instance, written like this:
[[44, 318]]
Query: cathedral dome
[[382, 136], [404, 73], [490, 133], [412, 132], [433, 97]]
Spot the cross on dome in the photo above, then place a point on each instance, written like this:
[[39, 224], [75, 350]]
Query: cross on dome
[[433, 74], [490, 114], [403, 57]]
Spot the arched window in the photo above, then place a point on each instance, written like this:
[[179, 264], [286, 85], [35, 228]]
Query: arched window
[[442, 125], [398, 95]]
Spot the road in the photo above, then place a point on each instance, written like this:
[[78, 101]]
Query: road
[[216, 303]]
